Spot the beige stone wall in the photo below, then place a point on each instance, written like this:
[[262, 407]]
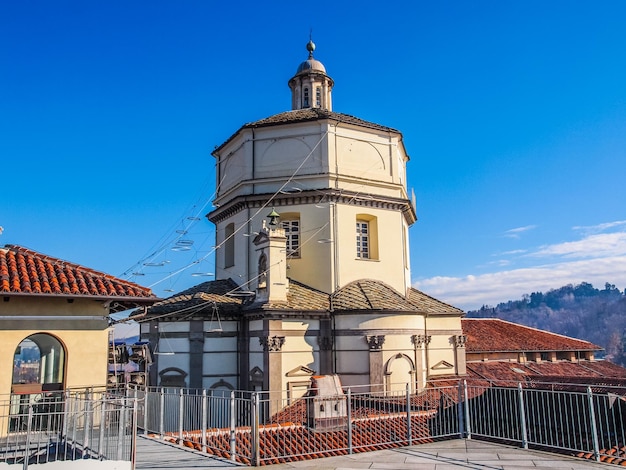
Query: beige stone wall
[[366, 162], [85, 340]]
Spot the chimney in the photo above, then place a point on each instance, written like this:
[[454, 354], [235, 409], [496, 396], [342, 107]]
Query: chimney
[[271, 249]]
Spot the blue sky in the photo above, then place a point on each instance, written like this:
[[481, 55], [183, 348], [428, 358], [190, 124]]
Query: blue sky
[[513, 114]]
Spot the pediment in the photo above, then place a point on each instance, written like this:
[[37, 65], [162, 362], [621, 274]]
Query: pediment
[[256, 373], [442, 365], [301, 371]]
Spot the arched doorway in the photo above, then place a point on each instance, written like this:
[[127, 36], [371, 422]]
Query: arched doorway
[[38, 365], [38, 372], [399, 371]]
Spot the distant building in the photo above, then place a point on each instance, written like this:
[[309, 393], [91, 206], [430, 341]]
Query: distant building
[[312, 215], [54, 322], [502, 351]]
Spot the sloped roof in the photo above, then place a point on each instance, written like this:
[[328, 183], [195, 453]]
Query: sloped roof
[[427, 304], [361, 295], [314, 114], [299, 297], [370, 294], [564, 372], [495, 335], [308, 115], [27, 272], [199, 299]]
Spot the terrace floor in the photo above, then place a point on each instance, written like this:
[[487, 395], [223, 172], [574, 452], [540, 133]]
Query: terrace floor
[[444, 455]]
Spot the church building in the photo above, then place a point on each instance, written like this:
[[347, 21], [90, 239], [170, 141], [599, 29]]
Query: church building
[[312, 270]]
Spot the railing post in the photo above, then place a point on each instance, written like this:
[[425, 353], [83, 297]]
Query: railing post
[[28, 433], [66, 404], [204, 418], [233, 439], [103, 421], [408, 415], [133, 441], [349, 412], [181, 410], [88, 419], [162, 413], [594, 431], [145, 409], [522, 415], [468, 424], [460, 410], [121, 430], [256, 454]]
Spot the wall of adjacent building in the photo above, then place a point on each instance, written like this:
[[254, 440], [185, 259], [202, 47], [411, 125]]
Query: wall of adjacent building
[[85, 340]]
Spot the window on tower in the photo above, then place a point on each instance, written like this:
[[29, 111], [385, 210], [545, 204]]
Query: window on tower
[[291, 227], [362, 239], [306, 98], [366, 237], [318, 97], [229, 246]]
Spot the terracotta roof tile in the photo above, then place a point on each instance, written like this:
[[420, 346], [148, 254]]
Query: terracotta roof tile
[[24, 271], [494, 335], [503, 373], [286, 441]]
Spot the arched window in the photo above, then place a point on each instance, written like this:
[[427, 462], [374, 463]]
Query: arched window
[[229, 246], [262, 274], [38, 365]]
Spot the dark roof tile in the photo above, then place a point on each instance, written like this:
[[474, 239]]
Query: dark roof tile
[[369, 294]]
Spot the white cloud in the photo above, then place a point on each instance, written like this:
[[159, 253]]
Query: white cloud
[[599, 245], [596, 258], [515, 232], [512, 252], [473, 291], [600, 227]]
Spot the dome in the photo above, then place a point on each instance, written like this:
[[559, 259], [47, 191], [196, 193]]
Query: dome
[[311, 64]]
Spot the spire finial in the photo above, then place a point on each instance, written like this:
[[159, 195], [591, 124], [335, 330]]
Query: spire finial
[[310, 46]]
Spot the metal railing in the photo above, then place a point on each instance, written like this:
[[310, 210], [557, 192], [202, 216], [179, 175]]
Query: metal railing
[[262, 428], [67, 425]]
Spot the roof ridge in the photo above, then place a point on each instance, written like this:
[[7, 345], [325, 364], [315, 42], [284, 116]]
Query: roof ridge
[[546, 332]]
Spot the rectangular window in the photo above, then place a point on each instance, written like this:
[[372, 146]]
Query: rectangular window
[[292, 232], [362, 239], [229, 246], [318, 97]]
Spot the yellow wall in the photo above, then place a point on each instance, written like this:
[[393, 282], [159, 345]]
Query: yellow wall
[[85, 340]]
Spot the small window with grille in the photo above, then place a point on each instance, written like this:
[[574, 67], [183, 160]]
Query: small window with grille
[[292, 232], [362, 239]]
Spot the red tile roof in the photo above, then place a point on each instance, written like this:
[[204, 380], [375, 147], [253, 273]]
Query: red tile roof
[[373, 428], [27, 272], [504, 373], [494, 335]]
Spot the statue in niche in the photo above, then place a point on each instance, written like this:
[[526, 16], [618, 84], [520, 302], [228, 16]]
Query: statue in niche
[[262, 271]]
